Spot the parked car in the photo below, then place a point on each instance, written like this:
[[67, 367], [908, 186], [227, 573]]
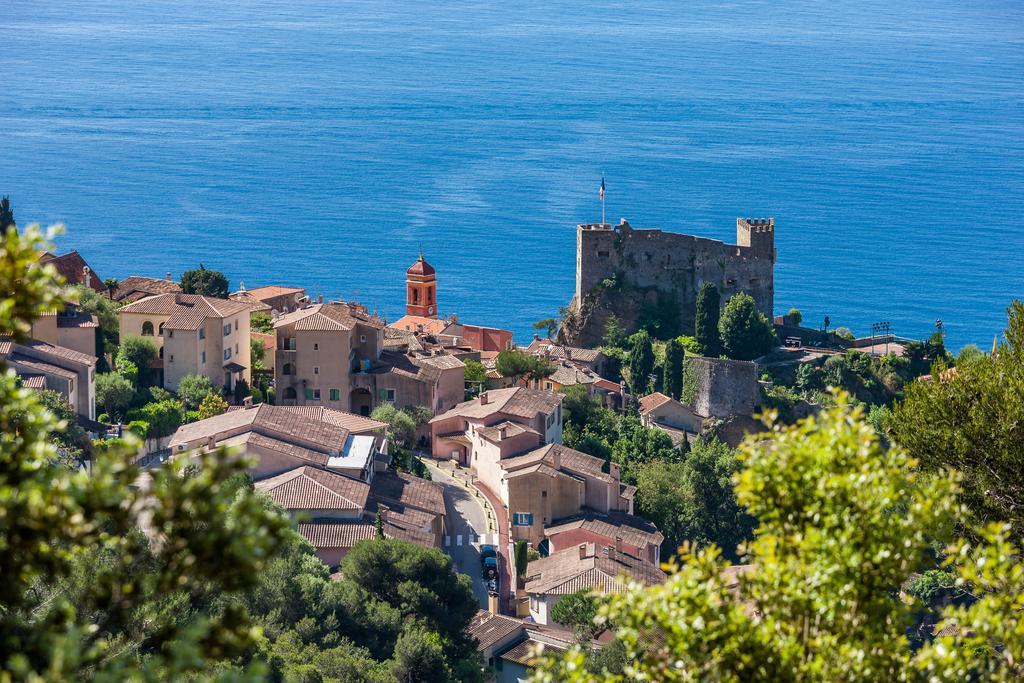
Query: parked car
[[489, 562]]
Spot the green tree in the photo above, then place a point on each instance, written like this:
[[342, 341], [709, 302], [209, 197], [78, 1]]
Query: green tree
[[636, 444], [114, 393], [257, 353], [163, 417], [518, 365], [6, 215], [419, 658], [577, 610], [139, 352], [843, 523], [745, 331], [476, 373], [705, 327], [970, 419], [205, 282], [641, 363], [401, 426], [690, 345], [260, 321], [69, 439], [84, 596], [614, 333], [693, 500], [520, 558], [796, 316], [548, 325], [105, 310], [673, 381], [213, 404], [192, 389]]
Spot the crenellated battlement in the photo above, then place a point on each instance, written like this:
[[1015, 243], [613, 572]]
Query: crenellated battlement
[[625, 270]]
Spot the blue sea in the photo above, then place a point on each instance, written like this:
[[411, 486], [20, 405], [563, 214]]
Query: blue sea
[[323, 143]]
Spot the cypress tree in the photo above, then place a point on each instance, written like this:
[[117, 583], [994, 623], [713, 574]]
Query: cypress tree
[[673, 381], [641, 363], [6, 215], [705, 331]]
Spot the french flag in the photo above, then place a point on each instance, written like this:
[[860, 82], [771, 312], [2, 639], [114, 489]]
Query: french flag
[[602, 188]]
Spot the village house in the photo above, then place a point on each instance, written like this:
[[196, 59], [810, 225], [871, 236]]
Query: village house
[[74, 270], [591, 359], [194, 335], [135, 287], [42, 365], [328, 469], [549, 483], [588, 566], [69, 328], [665, 413], [272, 299], [633, 535], [528, 416], [507, 644], [280, 438]]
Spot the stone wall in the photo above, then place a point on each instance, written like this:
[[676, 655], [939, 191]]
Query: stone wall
[[626, 268], [721, 388]]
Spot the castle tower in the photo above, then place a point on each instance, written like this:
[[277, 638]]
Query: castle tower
[[758, 234], [421, 289]]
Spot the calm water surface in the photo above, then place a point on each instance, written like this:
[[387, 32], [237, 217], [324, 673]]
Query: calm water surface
[[321, 143]]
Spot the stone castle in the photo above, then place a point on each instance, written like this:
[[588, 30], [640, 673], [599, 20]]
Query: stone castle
[[637, 274]]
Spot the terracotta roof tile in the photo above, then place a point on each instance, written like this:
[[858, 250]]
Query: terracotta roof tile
[[309, 488], [515, 401], [409, 491], [564, 572], [71, 266], [489, 629], [633, 530], [136, 284], [652, 401], [79, 320], [523, 653], [185, 305], [59, 352], [35, 366]]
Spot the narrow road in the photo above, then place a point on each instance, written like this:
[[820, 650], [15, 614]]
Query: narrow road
[[466, 521]]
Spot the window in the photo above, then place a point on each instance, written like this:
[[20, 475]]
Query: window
[[287, 369], [362, 339], [160, 330], [170, 333], [316, 369], [289, 392], [161, 352], [335, 394], [172, 357], [522, 519], [71, 386], [316, 347], [547, 385], [312, 394], [290, 346], [227, 329], [236, 324], [389, 395], [202, 333], [202, 357], [227, 354], [603, 254], [147, 329], [236, 348]]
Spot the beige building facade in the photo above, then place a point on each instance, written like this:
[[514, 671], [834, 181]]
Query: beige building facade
[[194, 335]]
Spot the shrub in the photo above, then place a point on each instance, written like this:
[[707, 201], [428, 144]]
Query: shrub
[[745, 331], [211, 406], [139, 428], [796, 316], [114, 393], [192, 389]]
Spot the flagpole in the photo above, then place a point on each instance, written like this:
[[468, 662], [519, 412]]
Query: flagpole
[[602, 199]]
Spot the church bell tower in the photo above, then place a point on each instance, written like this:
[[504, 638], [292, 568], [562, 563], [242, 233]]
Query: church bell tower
[[421, 289]]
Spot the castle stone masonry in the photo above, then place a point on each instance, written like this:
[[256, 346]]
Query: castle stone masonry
[[621, 268]]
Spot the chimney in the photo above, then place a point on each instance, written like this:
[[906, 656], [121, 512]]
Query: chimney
[[536, 337], [583, 551], [319, 298], [168, 276], [177, 297], [247, 402], [483, 398], [86, 276], [618, 545], [211, 442], [501, 434], [556, 458]]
